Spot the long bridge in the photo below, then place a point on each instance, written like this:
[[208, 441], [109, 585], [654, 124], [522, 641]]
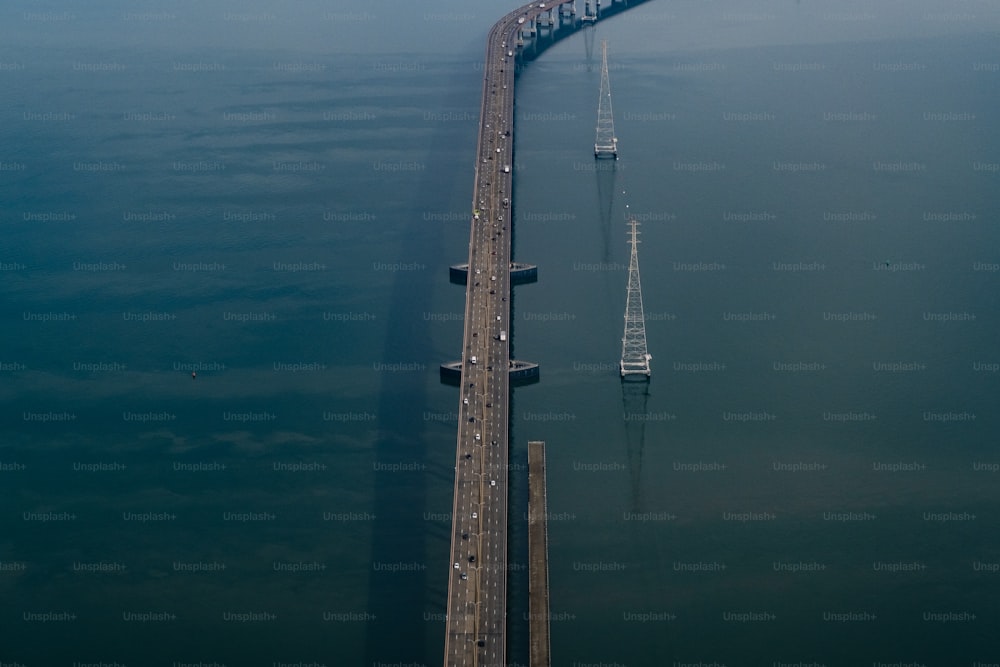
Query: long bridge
[[477, 586]]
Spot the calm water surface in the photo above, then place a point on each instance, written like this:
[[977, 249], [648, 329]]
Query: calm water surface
[[270, 198]]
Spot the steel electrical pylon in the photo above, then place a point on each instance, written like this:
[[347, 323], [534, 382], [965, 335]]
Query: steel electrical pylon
[[635, 357], [606, 144]]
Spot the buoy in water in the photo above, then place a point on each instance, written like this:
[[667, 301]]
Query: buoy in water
[[193, 375]]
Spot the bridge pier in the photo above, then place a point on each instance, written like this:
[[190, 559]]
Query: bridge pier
[[538, 557], [519, 372], [520, 273]]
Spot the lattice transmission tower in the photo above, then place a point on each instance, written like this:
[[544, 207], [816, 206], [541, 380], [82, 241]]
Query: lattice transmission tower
[[606, 144], [635, 357]]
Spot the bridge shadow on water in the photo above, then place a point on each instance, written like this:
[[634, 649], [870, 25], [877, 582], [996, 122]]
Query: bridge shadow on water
[[402, 629]]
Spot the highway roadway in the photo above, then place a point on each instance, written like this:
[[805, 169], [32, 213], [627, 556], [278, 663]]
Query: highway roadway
[[477, 588]]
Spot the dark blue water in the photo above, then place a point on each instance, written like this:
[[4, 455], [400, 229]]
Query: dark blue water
[[270, 197]]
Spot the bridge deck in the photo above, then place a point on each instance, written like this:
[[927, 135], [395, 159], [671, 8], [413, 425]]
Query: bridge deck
[[477, 585]]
